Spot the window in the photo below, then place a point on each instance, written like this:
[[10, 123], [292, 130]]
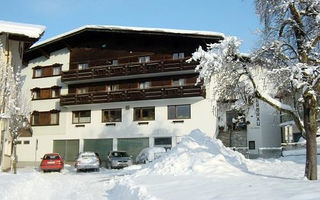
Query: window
[[144, 113], [18, 142], [178, 82], [179, 112], [47, 71], [45, 118], [110, 88], [252, 145], [144, 59], [55, 92], [26, 142], [56, 71], [36, 94], [115, 62], [37, 72], [111, 115], [83, 90], [165, 142], [79, 117], [82, 66], [144, 85], [46, 93], [177, 56]]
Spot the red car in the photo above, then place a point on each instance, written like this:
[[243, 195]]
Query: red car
[[51, 162]]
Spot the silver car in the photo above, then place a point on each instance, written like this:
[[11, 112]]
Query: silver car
[[118, 159], [87, 160]]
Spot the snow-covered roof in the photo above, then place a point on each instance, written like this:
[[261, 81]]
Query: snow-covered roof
[[133, 29], [27, 30]]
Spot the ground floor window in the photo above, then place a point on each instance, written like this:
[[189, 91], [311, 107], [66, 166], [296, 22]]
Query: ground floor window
[[179, 112], [252, 145], [144, 113], [165, 142], [83, 116]]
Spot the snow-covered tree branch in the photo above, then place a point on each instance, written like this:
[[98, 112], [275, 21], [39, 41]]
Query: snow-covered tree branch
[[286, 66], [14, 104]]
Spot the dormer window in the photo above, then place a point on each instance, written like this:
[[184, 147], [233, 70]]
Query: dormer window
[[82, 66], [177, 55], [144, 59]]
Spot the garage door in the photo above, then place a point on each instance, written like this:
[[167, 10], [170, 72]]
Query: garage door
[[68, 149], [100, 146], [132, 146]]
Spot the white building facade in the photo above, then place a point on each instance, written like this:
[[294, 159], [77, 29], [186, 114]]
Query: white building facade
[[15, 38], [131, 110]]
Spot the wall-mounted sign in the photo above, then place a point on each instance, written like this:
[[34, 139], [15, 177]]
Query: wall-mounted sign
[[257, 113]]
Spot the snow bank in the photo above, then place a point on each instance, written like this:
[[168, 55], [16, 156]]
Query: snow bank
[[29, 30], [196, 153]]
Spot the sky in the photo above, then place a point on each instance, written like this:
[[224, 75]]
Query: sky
[[230, 17]]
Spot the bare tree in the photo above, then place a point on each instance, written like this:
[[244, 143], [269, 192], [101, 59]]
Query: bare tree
[[287, 63]]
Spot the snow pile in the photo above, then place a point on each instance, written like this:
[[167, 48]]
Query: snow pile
[[29, 30], [197, 153]]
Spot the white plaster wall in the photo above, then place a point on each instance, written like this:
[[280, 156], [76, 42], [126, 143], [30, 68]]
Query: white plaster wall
[[270, 120]]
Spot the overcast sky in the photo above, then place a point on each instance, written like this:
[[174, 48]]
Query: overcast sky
[[231, 17]]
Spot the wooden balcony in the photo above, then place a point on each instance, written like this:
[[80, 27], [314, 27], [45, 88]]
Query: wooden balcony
[[107, 71], [132, 95]]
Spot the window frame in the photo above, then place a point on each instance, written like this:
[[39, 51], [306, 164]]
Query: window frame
[[49, 113], [144, 59], [38, 92], [108, 110], [82, 65], [78, 117], [175, 111], [141, 113], [178, 56], [48, 67]]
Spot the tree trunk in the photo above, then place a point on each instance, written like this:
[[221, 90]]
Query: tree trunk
[[310, 122], [14, 159]]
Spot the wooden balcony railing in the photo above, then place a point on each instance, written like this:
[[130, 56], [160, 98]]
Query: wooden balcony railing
[[132, 95], [106, 71]]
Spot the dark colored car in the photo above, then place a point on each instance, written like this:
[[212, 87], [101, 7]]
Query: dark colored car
[[51, 162], [118, 159]]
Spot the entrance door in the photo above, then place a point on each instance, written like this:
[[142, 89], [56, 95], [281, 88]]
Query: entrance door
[[68, 149]]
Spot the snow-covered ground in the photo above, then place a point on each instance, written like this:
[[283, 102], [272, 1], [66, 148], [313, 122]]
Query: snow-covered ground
[[198, 168]]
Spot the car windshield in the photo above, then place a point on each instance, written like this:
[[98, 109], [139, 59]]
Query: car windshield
[[51, 157], [119, 154]]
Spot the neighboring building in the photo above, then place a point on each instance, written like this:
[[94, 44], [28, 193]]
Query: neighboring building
[[256, 133], [102, 88], [15, 38]]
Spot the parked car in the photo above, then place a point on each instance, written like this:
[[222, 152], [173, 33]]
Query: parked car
[[51, 162], [149, 154], [86, 161], [98, 156], [118, 159]]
